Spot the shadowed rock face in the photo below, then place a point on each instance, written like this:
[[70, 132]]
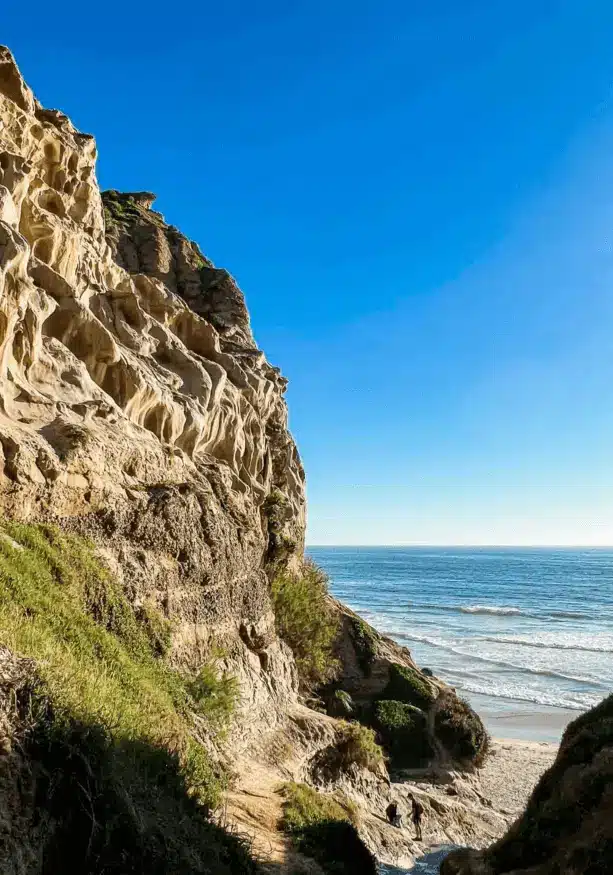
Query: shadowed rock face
[[567, 828], [136, 406]]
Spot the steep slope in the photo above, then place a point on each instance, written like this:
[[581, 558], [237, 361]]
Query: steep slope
[[126, 415], [567, 828], [150, 491]]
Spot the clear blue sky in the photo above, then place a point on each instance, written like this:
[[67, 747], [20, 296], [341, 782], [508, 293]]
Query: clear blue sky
[[417, 199]]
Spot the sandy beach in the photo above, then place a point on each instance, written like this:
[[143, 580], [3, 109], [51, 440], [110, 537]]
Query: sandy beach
[[507, 780], [512, 771]]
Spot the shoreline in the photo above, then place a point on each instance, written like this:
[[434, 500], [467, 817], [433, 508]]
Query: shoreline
[[523, 721]]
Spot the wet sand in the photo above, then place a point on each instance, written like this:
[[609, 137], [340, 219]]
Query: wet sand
[[524, 721]]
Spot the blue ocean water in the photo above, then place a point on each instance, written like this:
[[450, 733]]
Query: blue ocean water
[[511, 628]]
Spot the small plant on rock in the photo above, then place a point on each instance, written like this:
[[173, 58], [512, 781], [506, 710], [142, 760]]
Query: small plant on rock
[[323, 827], [358, 745]]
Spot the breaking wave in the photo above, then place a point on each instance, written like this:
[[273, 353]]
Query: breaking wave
[[522, 669], [523, 642], [499, 610]]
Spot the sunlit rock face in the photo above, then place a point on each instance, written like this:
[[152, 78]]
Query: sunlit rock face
[[136, 406]]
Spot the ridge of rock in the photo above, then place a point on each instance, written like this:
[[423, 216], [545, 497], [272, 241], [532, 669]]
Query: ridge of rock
[[137, 409], [154, 425]]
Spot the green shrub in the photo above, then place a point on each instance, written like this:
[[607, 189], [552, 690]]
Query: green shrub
[[97, 663], [321, 827], [460, 729], [364, 640], [358, 745], [407, 685], [215, 695], [307, 622], [304, 806], [117, 807], [403, 729]]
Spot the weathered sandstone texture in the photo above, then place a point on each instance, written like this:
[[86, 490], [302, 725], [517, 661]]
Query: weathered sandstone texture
[[137, 409], [136, 405]]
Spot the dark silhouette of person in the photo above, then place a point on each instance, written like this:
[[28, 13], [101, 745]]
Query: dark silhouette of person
[[391, 812], [417, 810]]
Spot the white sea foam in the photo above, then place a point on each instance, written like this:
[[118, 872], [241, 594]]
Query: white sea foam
[[606, 647], [498, 610], [542, 671], [572, 701], [491, 609]]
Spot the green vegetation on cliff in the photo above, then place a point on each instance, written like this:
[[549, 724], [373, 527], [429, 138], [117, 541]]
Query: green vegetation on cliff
[[364, 640], [307, 622], [323, 828], [358, 745], [106, 725], [460, 729], [407, 685], [404, 732]]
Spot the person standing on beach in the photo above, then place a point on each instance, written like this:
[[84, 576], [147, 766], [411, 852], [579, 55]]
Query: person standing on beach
[[417, 810]]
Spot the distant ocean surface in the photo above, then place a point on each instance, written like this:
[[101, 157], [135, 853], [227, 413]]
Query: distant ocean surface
[[514, 630]]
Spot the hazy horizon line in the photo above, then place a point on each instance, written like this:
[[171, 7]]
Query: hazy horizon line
[[477, 546]]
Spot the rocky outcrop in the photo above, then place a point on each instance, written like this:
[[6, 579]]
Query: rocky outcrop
[[136, 406], [137, 409], [420, 721], [567, 827]]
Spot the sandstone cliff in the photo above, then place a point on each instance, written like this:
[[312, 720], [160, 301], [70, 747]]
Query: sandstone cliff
[[138, 411], [136, 406]]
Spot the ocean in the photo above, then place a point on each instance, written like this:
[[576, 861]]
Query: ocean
[[526, 635]]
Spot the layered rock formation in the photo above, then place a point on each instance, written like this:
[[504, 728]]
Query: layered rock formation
[[136, 406], [138, 410]]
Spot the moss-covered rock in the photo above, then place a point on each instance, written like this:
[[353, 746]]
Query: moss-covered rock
[[364, 640], [340, 704], [409, 686], [460, 729], [322, 828], [403, 730]]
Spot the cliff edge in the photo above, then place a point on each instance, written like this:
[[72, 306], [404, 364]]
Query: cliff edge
[[152, 578]]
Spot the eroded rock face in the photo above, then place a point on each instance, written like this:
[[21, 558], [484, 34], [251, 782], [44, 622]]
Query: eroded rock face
[[136, 406]]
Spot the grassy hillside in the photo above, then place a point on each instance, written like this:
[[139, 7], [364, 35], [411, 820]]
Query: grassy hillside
[[105, 730]]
